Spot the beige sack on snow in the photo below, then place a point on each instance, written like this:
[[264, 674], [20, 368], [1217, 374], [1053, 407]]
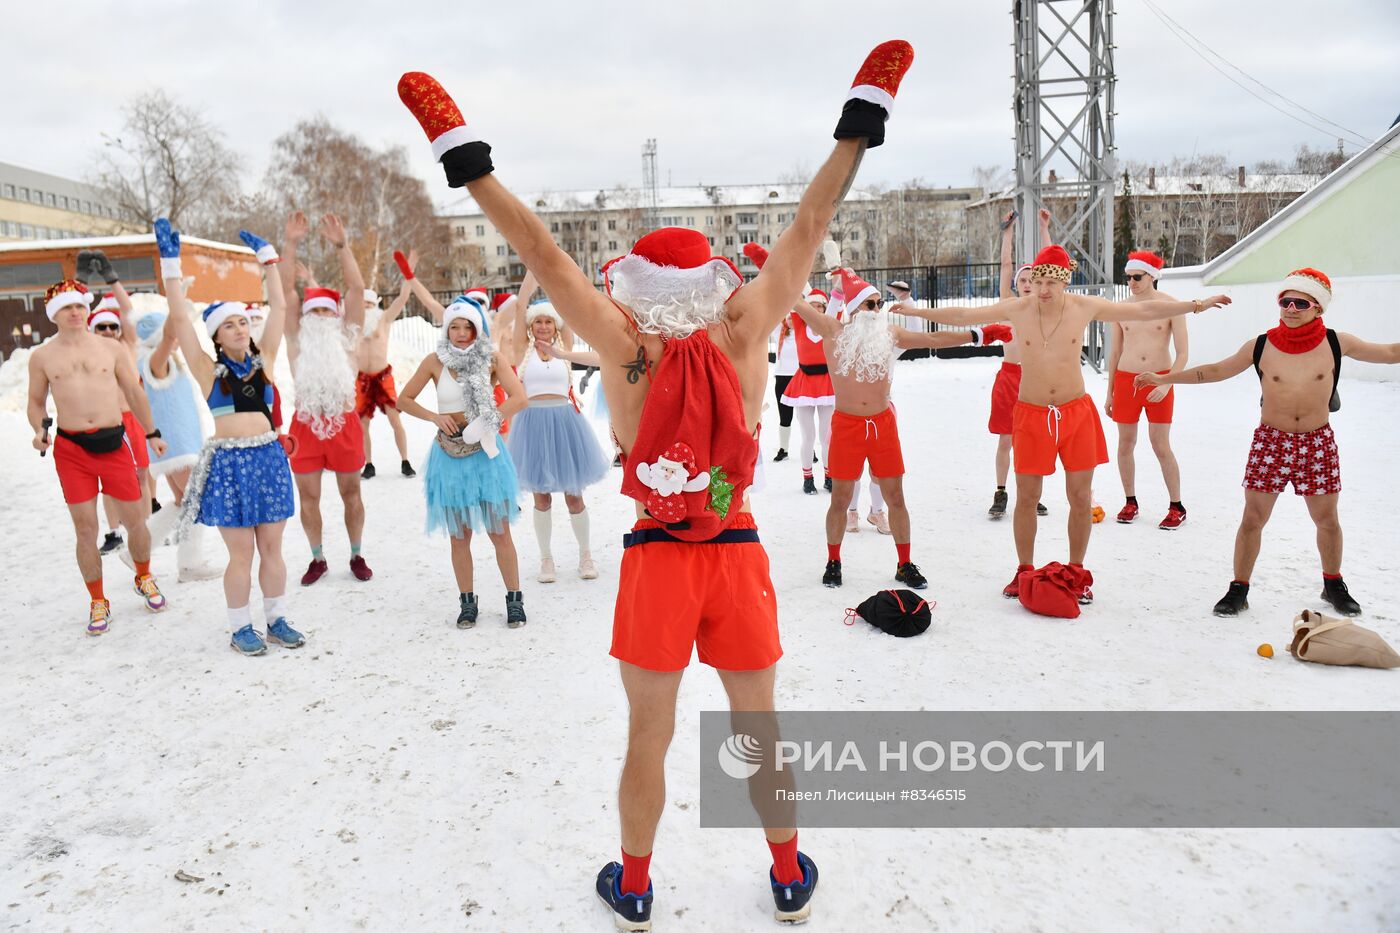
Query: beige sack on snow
[[1326, 640]]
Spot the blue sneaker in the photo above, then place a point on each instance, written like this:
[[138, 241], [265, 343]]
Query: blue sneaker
[[793, 902], [630, 912], [246, 641], [280, 633]]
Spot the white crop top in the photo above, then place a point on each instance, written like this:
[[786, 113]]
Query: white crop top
[[449, 394], [544, 377]]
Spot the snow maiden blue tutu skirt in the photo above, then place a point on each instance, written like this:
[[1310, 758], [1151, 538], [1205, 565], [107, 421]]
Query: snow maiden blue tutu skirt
[[555, 448], [476, 491], [245, 485]]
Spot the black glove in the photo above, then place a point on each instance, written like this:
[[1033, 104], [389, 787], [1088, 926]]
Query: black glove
[[102, 266], [84, 265], [467, 162]]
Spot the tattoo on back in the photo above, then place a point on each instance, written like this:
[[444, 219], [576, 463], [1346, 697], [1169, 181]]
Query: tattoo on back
[[636, 367]]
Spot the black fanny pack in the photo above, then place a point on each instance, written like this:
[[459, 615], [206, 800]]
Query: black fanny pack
[[813, 369], [101, 441]]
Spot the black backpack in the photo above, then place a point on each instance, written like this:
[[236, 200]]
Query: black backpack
[[1335, 402], [900, 613]]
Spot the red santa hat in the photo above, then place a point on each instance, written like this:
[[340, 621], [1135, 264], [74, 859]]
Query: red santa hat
[[1310, 282], [371, 298], [480, 295], [104, 316], [757, 254], [1053, 262], [62, 294], [681, 453], [855, 290], [501, 300], [671, 262], [817, 294], [1143, 260], [314, 298]]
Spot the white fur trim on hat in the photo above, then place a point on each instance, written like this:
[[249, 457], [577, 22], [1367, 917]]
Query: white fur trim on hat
[[638, 277], [220, 311], [1308, 286], [869, 291], [542, 309], [104, 316], [468, 309], [371, 298], [64, 299], [320, 301], [457, 136], [1137, 265]]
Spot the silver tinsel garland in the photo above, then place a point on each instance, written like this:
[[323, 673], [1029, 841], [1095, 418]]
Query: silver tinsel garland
[[199, 475], [472, 370]]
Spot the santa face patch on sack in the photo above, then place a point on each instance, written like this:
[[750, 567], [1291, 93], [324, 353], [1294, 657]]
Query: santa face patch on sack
[[901, 613]]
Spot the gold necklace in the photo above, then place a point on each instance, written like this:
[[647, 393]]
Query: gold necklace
[[1045, 341]]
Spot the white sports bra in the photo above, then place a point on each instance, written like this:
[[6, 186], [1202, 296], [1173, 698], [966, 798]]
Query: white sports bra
[[544, 377], [449, 394]]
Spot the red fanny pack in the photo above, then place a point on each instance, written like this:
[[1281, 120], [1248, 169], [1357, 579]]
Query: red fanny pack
[[1053, 590], [693, 458]]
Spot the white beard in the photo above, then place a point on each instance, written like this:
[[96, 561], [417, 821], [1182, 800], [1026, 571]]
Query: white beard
[[668, 485], [865, 347], [373, 316], [324, 375]]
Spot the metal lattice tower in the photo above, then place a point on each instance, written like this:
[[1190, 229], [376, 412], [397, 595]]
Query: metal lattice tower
[[1064, 128], [651, 198]]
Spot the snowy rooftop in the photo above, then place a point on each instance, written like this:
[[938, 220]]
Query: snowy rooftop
[[130, 239], [668, 197]]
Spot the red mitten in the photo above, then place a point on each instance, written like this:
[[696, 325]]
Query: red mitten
[[289, 444], [992, 333], [871, 98], [463, 155], [404, 267], [756, 253]]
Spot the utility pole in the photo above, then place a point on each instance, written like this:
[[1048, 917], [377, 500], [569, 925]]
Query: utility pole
[[651, 198]]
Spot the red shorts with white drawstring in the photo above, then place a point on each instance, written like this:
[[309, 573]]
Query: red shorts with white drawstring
[[855, 439], [136, 439], [714, 596], [1309, 461], [1071, 431], [1130, 403]]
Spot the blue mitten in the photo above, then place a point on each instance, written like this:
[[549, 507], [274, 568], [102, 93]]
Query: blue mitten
[[168, 242], [265, 251]]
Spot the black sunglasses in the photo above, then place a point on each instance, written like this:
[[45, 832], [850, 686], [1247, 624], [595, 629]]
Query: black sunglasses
[[1137, 276], [116, 327], [870, 304], [1301, 304]]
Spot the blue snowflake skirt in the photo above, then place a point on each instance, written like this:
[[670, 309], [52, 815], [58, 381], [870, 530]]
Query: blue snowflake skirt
[[247, 486], [477, 491]]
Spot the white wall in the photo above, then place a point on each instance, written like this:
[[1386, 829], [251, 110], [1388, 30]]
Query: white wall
[[1367, 307]]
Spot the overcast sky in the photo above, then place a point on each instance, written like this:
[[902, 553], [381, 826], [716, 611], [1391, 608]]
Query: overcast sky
[[567, 92]]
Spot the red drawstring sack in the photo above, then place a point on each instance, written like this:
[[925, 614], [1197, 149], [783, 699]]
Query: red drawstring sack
[[1054, 590], [694, 456]]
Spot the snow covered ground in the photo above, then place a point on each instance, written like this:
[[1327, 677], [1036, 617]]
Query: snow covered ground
[[398, 773]]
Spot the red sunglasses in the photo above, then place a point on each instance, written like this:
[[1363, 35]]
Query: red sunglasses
[[1301, 304]]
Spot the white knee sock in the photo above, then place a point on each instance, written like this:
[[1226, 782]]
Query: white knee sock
[[807, 428], [237, 618], [580, 522], [274, 608], [877, 498], [855, 498], [544, 528], [824, 429], [784, 435]]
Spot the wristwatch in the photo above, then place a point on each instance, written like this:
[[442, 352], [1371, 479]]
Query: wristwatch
[[153, 434]]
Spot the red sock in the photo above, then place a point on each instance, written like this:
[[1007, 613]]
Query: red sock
[[635, 877], [95, 589], [903, 551], [143, 567], [833, 552], [806, 472], [1331, 576], [785, 867]]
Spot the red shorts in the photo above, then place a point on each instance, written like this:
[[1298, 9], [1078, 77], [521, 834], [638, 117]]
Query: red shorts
[[80, 472], [715, 597], [855, 440], [1005, 391], [375, 391], [1072, 431], [342, 452], [1128, 404], [136, 437], [1309, 461]]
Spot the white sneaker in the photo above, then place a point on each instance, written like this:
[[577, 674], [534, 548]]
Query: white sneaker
[[852, 522], [546, 571], [587, 570], [880, 521]]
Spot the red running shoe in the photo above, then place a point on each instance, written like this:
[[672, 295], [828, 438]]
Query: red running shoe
[[1128, 513], [1012, 590], [1174, 520], [360, 569], [315, 571]]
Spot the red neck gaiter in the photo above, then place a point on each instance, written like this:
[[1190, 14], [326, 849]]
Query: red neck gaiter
[[1298, 339]]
